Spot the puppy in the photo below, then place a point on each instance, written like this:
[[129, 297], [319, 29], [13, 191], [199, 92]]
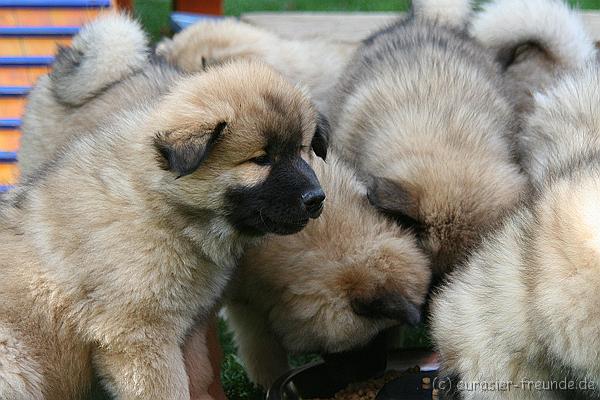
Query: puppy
[[127, 237], [524, 308], [331, 287], [421, 112], [314, 63], [534, 40]]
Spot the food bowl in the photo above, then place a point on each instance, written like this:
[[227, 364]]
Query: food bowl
[[321, 380]]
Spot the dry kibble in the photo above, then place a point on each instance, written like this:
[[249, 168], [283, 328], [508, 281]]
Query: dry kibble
[[368, 390]]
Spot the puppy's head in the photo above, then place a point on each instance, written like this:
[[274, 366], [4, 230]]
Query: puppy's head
[[343, 279], [209, 43], [448, 199], [235, 141]]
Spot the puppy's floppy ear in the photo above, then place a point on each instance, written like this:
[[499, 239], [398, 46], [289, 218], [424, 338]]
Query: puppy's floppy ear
[[320, 140], [183, 151], [396, 199]]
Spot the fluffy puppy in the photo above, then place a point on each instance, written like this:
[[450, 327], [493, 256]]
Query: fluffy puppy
[[524, 308], [331, 287], [127, 238], [421, 112], [313, 63], [534, 40]]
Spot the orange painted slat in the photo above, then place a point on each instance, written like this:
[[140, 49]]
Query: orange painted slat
[[9, 173], [32, 17], [11, 107], [43, 46], [7, 18], [20, 76], [46, 17], [9, 140], [11, 47], [61, 17], [30, 46]]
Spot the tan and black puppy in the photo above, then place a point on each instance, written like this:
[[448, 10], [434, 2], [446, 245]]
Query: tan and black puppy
[[421, 112], [331, 287], [128, 236]]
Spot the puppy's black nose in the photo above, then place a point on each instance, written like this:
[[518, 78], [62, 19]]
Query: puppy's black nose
[[387, 305], [313, 201]]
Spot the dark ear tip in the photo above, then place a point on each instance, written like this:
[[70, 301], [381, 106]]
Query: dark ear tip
[[320, 140], [185, 154]]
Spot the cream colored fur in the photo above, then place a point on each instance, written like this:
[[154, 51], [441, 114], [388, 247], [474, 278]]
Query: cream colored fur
[[294, 294], [315, 64], [524, 308], [539, 39], [450, 12], [421, 112]]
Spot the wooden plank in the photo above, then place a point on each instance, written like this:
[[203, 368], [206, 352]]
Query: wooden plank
[[45, 4], [21, 76], [30, 46], [11, 107], [42, 47], [9, 140], [9, 173], [47, 17], [350, 27]]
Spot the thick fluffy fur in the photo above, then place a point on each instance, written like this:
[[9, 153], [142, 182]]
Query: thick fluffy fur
[[421, 112], [525, 306], [127, 238], [313, 63], [449, 12], [331, 287], [80, 93], [534, 39]]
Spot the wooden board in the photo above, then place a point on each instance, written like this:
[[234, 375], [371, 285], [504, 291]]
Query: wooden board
[[9, 139], [9, 173], [349, 27], [46, 16], [11, 107], [41, 46]]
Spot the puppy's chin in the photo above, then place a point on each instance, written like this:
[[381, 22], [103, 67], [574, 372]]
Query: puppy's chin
[[266, 225]]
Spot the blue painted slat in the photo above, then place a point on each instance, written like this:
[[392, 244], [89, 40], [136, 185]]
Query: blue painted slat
[[54, 3], [25, 61], [14, 90], [8, 156], [8, 123], [11, 31], [181, 20], [5, 188]]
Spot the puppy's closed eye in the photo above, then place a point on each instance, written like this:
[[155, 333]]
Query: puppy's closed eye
[[396, 201]]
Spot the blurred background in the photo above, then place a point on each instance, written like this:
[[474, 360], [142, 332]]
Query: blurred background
[[155, 13]]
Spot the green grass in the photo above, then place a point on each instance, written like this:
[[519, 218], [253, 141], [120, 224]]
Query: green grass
[[235, 381], [237, 7], [154, 15]]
